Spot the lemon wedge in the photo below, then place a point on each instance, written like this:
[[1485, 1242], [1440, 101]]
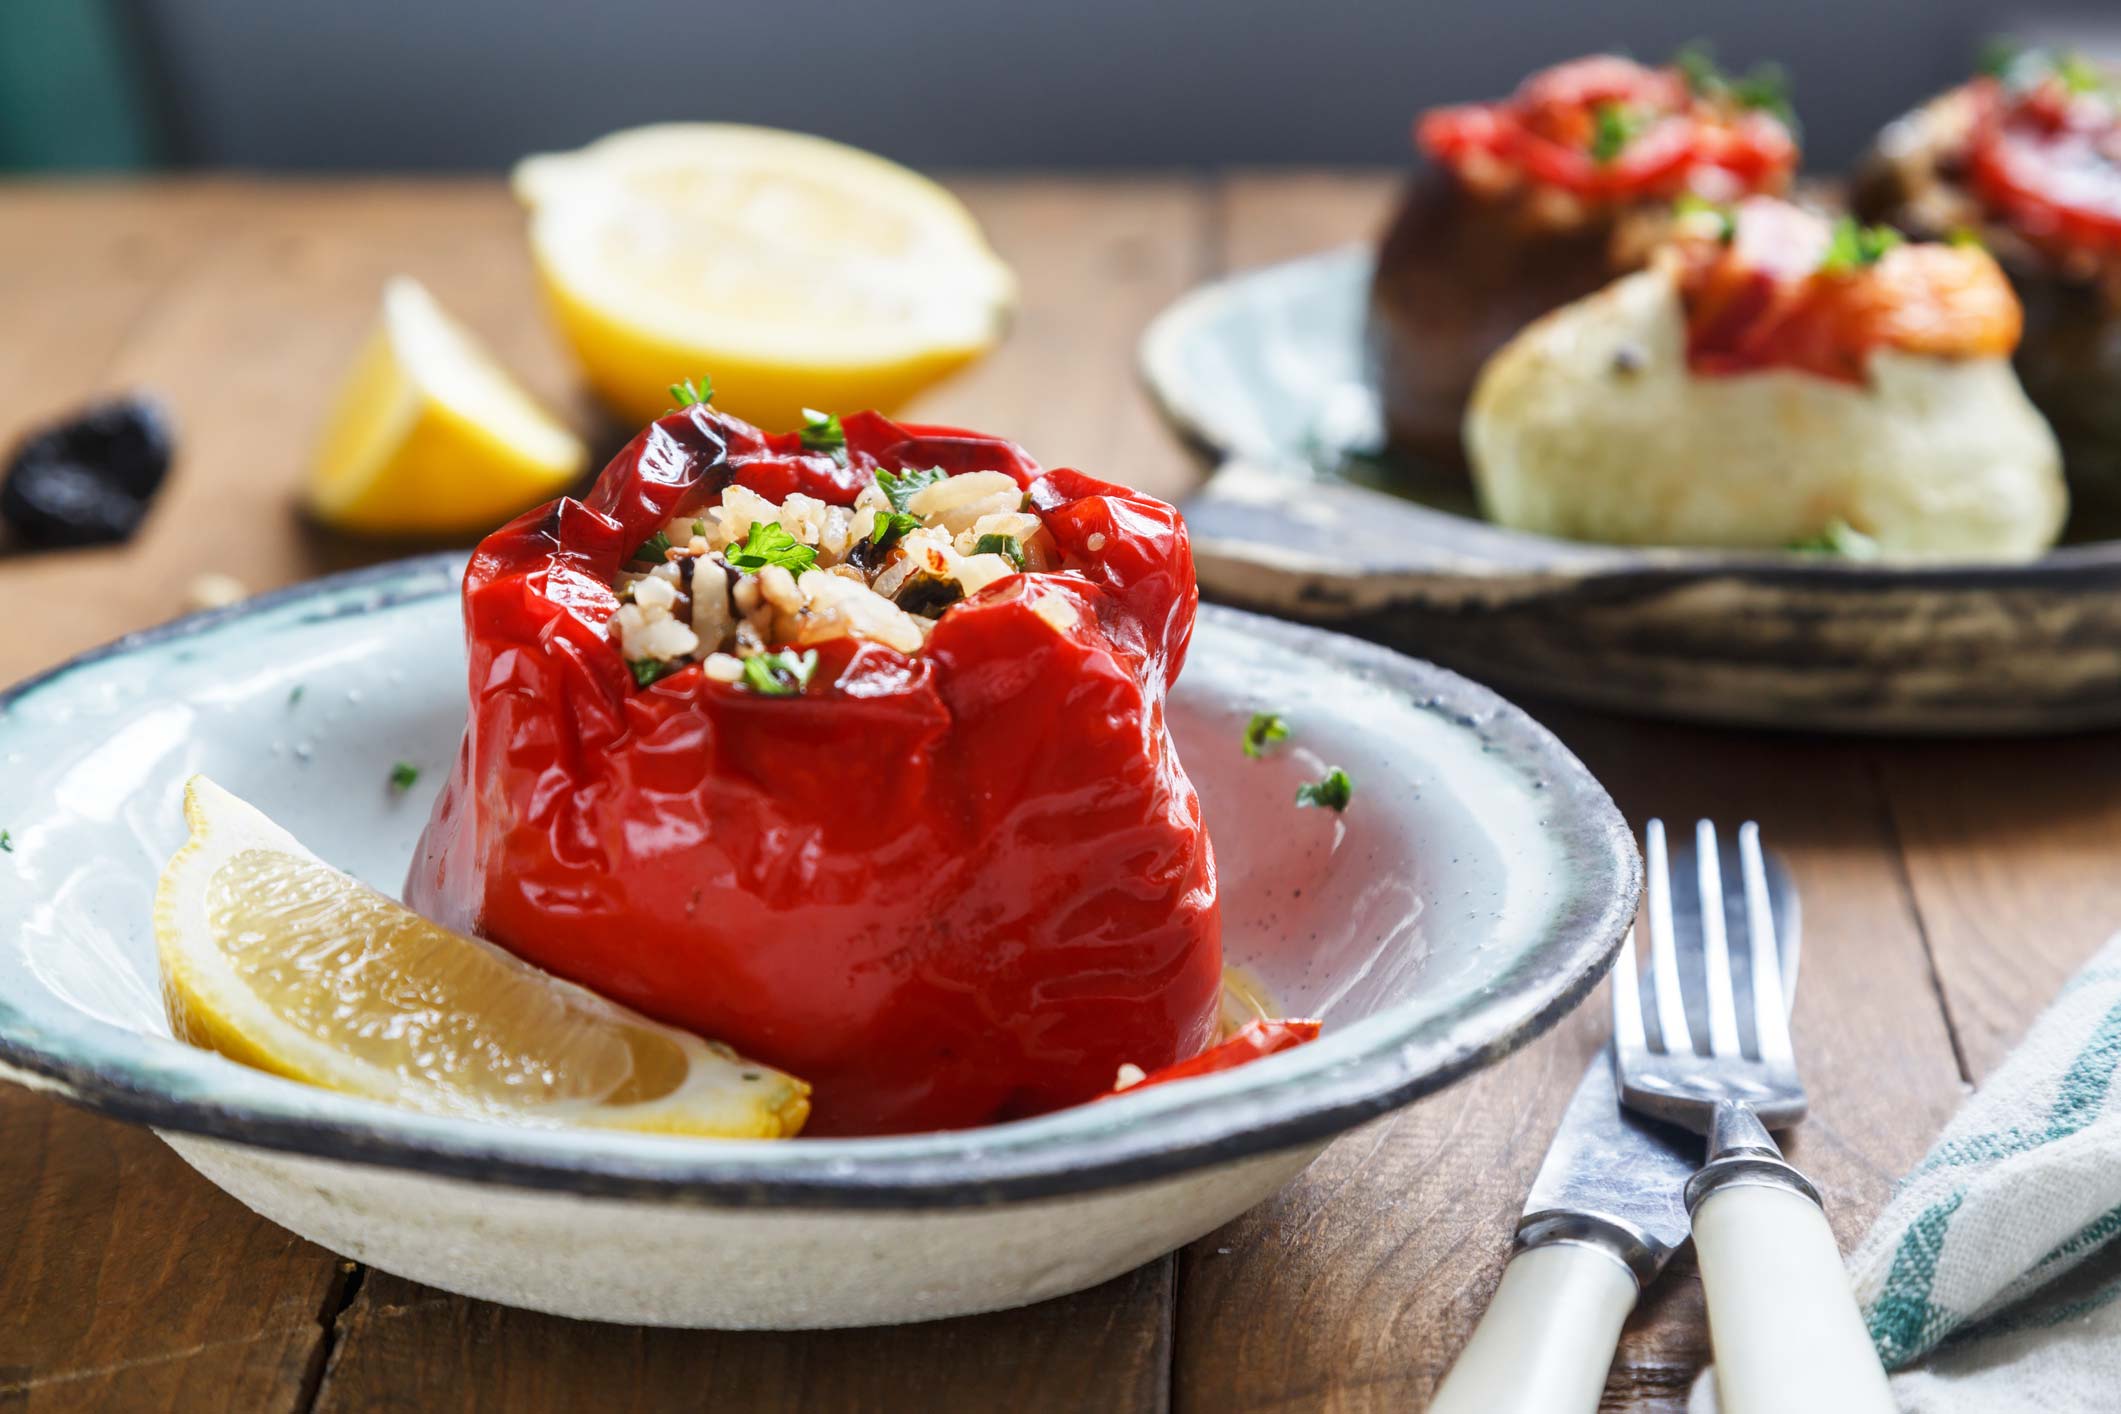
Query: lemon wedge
[[797, 272], [277, 960], [428, 435]]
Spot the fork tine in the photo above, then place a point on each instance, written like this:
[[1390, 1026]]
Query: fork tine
[[1672, 1032], [1771, 1018], [1715, 946], [1628, 1038]]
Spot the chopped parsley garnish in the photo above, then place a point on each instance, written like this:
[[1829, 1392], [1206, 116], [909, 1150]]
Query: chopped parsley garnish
[[7, 843], [699, 528], [1726, 219], [403, 775], [1006, 546], [1839, 538], [1966, 238], [1263, 728], [1614, 126], [769, 543], [648, 670], [822, 433], [688, 392], [294, 694], [1333, 790], [779, 674], [2021, 68], [1999, 56], [1854, 246], [1766, 87], [655, 547], [906, 485], [890, 525]]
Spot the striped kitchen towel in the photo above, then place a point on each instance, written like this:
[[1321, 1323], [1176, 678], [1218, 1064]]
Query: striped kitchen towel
[[1992, 1280]]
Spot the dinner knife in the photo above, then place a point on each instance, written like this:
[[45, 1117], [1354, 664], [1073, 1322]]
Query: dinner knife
[[1606, 1212]]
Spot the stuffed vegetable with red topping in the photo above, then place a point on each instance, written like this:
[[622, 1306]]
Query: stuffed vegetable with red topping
[[1538, 199], [2025, 158], [846, 747], [1776, 380]]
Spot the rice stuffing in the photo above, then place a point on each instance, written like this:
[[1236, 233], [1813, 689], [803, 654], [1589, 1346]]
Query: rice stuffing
[[727, 582]]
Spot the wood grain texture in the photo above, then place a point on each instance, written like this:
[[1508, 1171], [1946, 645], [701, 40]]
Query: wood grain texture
[[2011, 851], [404, 1346], [129, 1282]]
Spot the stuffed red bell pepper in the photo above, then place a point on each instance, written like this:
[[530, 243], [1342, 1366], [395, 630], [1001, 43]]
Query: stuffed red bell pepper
[[846, 747]]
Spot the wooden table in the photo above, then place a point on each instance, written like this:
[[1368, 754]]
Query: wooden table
[[1949, 888]]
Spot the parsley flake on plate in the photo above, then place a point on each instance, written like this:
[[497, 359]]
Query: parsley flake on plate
[[655, 547], [7, 843], [769, 543], [907, 484], [779, 674], [1264, 727], [1004, 545], [403, 775], [1838, 538], [1333, 790]]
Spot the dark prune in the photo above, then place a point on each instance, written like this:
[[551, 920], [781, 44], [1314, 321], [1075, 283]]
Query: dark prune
[[90, 479]]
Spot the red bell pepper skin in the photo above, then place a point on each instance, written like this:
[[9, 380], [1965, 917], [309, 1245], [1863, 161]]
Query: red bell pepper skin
[[1261, 1036], [946, 889]]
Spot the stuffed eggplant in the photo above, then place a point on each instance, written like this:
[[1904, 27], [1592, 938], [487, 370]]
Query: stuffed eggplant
[[1775, 380], [2026, 158], [1540, 199]]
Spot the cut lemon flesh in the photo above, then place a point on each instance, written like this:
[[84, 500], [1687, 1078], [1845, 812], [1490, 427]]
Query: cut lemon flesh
[[428, 435], [796, 271], [277, 960]]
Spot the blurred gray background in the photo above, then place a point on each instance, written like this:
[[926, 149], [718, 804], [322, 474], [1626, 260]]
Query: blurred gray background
[[456, 84]]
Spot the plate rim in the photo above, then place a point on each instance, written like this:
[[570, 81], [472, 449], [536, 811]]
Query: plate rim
[[2094, 563], [1303, 1097]]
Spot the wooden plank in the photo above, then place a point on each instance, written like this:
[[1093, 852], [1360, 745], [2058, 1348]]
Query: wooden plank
[[2011, 850], [1264, 217], [129, 1282], [246, 348], [404, 1346], [1355, 1288]]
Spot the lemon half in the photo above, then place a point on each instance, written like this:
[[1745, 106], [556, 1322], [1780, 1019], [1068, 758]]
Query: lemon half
[[429, 435], [796, 271], [277, 960]]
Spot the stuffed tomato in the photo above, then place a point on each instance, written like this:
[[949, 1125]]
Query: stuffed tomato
[[845, 747]]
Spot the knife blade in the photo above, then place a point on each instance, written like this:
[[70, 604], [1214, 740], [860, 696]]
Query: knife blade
[[1611, 1185]]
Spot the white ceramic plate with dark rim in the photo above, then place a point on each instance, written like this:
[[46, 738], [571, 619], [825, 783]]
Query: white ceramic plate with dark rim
[[1266, 374], [1472, 893]]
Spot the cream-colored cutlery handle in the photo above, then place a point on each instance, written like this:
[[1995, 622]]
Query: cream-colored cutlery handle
[[1546, 1342], [1787, 1334]]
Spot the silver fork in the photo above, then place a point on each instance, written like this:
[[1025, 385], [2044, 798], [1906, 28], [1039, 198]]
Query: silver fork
[[1787, 1336]]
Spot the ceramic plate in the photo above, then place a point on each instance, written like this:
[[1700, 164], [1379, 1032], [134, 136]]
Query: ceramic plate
[[1265, 373], [1473, 892]]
